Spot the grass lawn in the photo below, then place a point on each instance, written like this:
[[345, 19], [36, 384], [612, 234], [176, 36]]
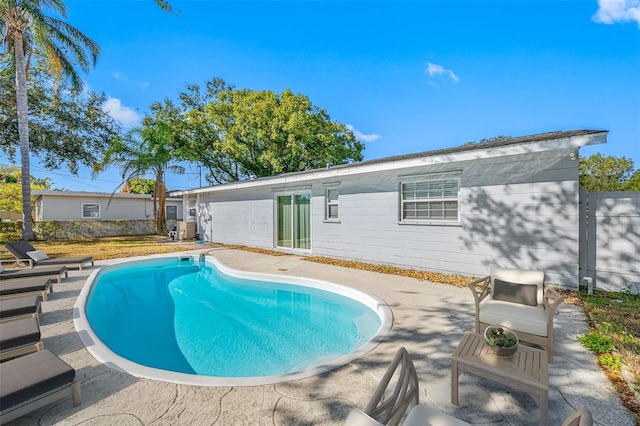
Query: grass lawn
[[614, 318]]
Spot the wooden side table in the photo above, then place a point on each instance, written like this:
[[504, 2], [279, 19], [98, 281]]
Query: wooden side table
[[526, 370]]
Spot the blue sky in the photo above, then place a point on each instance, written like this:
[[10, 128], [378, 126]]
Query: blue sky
[[407, 76]]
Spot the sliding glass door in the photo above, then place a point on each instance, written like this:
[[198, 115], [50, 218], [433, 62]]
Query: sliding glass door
[[293, 221]]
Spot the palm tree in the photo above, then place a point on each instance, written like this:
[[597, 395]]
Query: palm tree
[[26, 31], [144, 150]]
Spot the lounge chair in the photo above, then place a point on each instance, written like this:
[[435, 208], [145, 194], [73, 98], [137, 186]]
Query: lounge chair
[[24, 252], [44, 271], [34, 381], [19, 337], [19, 288], [20, 307], [520, 300]]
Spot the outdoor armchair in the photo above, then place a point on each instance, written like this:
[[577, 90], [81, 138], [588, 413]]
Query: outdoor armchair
[[24, 252], [518, 299], [388, 406]]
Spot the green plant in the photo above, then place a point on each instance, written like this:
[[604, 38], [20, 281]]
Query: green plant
[[596, 342], [610, 361], [499, 336]]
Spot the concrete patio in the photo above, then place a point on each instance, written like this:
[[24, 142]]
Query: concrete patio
[[429, 320]]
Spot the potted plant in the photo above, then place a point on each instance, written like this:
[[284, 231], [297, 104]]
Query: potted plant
[[501, 340]]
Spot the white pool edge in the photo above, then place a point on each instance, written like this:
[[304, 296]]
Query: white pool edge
[[110, 359]]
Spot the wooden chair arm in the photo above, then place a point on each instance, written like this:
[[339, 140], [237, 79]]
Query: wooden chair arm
[[480, 288], [551, 293]]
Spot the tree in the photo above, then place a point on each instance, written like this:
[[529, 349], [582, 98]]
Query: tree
[[143, 150], [66, 128], [11, 188], [28, 33], [139, 186], [238, 134], [600, 173]]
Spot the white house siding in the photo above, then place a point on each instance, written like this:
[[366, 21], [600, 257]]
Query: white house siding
[[510, 217], [516, 211], [60, 206], [238, 217]]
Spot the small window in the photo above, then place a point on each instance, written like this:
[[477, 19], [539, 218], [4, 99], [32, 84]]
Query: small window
[[192, 208], [332, 204], [171, 212], [90, 210], [430, 201]]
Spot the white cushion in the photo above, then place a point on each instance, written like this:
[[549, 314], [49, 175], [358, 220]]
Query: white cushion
[[37, 255], [422, 415], [529, 319], [360, 418], [1, 268], [519, 276]]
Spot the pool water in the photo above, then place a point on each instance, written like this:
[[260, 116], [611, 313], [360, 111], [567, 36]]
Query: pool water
[[189, 317]]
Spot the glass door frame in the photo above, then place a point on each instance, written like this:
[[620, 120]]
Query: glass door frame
[[294, 236]]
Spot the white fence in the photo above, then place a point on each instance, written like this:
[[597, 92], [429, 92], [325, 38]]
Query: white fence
[[610, 240]]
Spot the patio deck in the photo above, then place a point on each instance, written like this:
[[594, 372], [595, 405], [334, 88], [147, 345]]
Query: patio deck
[[429, 320]]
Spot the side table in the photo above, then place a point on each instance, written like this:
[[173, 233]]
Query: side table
[[526, 370]]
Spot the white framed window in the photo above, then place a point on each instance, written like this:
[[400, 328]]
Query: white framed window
[[171, 212], [91, 210], [331, 210], [430, 201], [191, 208]]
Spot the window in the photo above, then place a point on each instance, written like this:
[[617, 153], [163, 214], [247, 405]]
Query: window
[[430, 201], [90, 210], [191, 208], [171, 212], [331, 212]]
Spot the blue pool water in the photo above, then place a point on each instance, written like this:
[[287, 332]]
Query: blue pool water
[[184, 316]]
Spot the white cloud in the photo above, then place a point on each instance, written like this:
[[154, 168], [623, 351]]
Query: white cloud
[[124, 115], [435, 70], [361, 136], [613, 11], [118, 76]]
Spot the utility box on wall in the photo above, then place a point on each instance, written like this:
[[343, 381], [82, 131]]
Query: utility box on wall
[[186, 230]]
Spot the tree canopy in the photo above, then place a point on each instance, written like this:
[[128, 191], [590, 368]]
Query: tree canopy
[[139, 186], [11, 188], [67, 128], [238, 134], [599, 173]]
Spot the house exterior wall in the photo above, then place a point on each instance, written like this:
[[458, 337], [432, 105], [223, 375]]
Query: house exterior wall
[[516, 211], [61, 207]]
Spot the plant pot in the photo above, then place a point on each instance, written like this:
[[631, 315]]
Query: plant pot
[[501, 340]]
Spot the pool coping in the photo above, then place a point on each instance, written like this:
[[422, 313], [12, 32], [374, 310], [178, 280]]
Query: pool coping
[[110, 359]]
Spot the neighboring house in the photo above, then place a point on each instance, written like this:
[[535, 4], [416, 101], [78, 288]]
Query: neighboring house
[[509, 203], [78, 206]]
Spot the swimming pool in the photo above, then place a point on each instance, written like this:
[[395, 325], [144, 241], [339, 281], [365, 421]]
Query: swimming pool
[[195, 321]]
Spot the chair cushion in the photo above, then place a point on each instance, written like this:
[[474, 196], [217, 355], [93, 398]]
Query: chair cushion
[[421, 415], [18, 333], [32, 375], [520, 276], [19, 306], [358, 417], [24, 286], [37, 255], [524, 294], [528, 319]]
